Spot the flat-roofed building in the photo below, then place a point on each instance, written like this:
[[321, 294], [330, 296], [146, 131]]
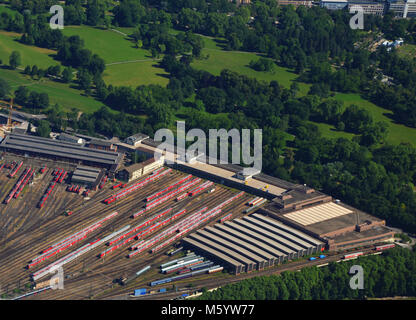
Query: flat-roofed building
[[334, 4], [317, 213], [369, 7], [137, 170], [70, 138], [101, 145], [136, 139], [87, 176], [295, 3]]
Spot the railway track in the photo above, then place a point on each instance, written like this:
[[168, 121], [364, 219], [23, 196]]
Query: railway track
[[18, 249]]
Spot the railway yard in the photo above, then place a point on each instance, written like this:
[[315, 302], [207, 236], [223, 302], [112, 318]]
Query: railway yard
[[106, 238], [28, 230]]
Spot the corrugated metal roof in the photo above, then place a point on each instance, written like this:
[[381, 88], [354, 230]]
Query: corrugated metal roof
[[244, 237], [244, 244], [270, 235], [260, 236], [279, 232], [288, 228], [214, 252], [232, 246], [226, 251], [59, 149]]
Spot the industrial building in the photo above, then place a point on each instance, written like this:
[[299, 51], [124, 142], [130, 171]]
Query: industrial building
[[137, 170], [60, 150], [70, 138], [87, 176], [136, 139], [334, 4], [295, 3], [338, 225], [102, 145], [369, 7], [252, 243]]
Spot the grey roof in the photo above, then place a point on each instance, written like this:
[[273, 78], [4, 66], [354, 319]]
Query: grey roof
[[101, 143], [88, 169], [214, 252], [264, 245], [226, 251], [260, 237], [83, 179], [279, 232], [283, 241], [64, 135], [56, 148], [236, 241], [231, 246]]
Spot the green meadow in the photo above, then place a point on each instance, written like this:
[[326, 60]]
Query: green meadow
[[60, 93], [31, 55]]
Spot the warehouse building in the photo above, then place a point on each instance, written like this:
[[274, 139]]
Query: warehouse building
[[137, 170], [60, 150], [254, 242], [70, 138], [87, 176], [295, 3], [102, 145], [338, 225]]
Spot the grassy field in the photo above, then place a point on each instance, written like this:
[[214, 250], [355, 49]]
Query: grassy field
[[397, 132], [59, 93], [408, 50], [113, 47], [31, 55], [238, 61], [135, 74]]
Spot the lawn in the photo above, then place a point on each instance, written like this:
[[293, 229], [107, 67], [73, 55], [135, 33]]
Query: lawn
[[31, 55], [397, 132], [135, 74], [113, 47], [238, 61], [407, 50], [108, 44], [59, 93]]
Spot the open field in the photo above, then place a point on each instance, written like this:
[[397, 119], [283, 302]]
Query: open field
[[397, 132], [136, 74], [31, 55], [137, 68], [407, 50], [109, 45], [238, 61], [59, 93]]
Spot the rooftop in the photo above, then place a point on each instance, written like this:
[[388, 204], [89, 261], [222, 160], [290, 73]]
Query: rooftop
[[27, 143]]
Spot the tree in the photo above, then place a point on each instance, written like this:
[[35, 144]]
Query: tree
[[67, 75], [4, 89], [15, 60], [43, 129], [95, 12], [85, 80]]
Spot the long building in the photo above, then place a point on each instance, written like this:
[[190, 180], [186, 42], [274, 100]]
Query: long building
[[60, 150], [254, 242]]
